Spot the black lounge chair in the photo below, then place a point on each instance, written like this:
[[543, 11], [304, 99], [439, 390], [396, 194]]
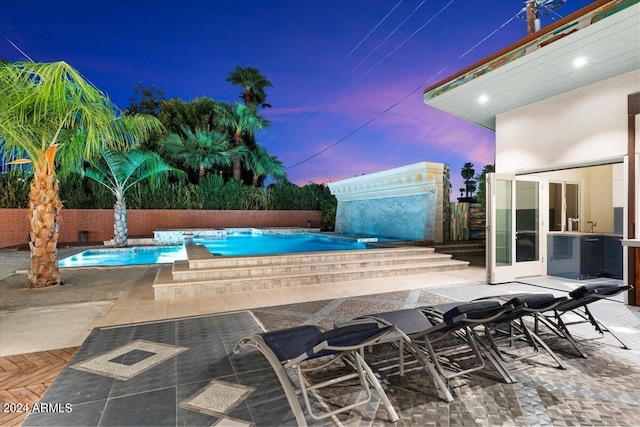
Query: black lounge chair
[[430, 341], [511, 326], [577, 304], [299, 350]]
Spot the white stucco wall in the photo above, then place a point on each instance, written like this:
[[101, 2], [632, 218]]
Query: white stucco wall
[[576, 127]]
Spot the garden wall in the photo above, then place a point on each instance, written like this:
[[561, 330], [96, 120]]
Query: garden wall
[[14, 226], [400, 203]]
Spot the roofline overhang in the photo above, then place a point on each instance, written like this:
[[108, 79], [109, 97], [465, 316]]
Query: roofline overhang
[[549, 34]]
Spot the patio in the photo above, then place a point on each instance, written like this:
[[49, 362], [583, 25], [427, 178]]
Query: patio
[[180, 389]]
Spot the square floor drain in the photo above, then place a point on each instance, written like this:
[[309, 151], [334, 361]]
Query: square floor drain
[[126, 362], [218, 398]]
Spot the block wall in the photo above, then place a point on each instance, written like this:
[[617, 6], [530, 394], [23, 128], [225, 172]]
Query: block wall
[[14, 225]]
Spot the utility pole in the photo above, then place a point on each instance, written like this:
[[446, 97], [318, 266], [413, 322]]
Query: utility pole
[[532, 16]]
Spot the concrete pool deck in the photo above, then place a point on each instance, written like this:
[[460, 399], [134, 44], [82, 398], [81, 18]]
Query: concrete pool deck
[[60, 317], [598, 390]]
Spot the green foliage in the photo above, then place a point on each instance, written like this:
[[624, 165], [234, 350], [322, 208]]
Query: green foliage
[[201, 113], [147, 100], [469, 183], [14, 188], [79, 193], [253, 83], [212, 193], [262, 164], [45, 104], [200, 150], [481, 196]]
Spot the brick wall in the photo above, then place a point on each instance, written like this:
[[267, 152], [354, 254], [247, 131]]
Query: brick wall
[[14, 226]]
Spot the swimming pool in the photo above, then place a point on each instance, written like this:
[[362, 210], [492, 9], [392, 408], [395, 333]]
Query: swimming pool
[[229, 245]]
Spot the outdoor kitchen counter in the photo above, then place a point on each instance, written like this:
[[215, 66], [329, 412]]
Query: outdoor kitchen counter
[[580, 255]]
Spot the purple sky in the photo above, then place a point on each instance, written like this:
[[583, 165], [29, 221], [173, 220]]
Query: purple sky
[[323, 89]]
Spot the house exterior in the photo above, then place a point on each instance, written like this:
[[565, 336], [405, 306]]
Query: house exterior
[[564, 103]]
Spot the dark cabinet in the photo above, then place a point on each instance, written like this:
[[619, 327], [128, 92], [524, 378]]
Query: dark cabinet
[[584, 256], [612, 257], [564, 256], [590, 256]]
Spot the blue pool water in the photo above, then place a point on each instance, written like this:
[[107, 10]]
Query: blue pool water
[[233, 244]]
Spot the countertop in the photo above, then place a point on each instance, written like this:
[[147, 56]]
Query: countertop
[[581, 233]]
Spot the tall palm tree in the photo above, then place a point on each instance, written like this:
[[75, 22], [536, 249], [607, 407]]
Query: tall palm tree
[[119, 170], [482, 184], [467, 174], [253, 83], [263, 164], [242, 120], [51, 113], [202, 149]]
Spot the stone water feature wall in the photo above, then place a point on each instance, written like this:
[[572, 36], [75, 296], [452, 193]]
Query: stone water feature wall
[[403, 203]]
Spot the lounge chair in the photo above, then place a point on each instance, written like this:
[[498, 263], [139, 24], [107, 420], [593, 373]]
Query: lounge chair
[[299, 350], [577, 304], [431, 341], [511, 326]]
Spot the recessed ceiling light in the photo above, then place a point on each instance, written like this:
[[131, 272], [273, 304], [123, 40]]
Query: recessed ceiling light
[[580, 62], [483, 99]]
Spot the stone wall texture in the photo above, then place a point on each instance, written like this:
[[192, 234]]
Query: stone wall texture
[[407, 217], [14, 226]]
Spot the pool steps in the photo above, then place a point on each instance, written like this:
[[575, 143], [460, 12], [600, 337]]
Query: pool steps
[[205, 274]]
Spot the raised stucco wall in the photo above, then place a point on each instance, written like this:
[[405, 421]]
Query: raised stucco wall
[[403, 203]]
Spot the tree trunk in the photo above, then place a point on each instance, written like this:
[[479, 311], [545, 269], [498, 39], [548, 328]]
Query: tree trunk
[[44, 217], [120, 234], [247, 96], [201, 173], [237, 161]]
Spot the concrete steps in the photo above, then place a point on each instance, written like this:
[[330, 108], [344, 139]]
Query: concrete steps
[[207, 275]]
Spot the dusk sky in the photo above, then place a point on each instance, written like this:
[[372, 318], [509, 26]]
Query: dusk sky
[[335, 65]]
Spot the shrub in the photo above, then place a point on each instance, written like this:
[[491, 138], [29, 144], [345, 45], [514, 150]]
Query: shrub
[[212, 192], [14, 188]]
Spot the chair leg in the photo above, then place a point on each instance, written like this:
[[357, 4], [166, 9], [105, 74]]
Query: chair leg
[[602, 328], [424, 361], [393, 416], [494, 356], [285, 381], [561, 330], [535, 338]]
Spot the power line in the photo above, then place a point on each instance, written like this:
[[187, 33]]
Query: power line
[[379, 62], [310, 113], [345, 58], [386, 110]]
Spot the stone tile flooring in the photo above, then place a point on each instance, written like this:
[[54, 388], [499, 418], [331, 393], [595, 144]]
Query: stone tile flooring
[[207, 384]]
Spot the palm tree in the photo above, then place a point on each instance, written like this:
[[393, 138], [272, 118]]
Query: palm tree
[[253, 83], [119, 170], [482, 184], [201, 150], [51, 113], [467, 174], [241, 120], [262, 164]]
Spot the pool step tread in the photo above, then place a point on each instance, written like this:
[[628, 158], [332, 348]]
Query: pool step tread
[[304, 257], [165, 276], [181, 270], [202, 276]]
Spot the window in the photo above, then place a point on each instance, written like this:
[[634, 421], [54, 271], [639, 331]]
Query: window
[[564, 206]]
